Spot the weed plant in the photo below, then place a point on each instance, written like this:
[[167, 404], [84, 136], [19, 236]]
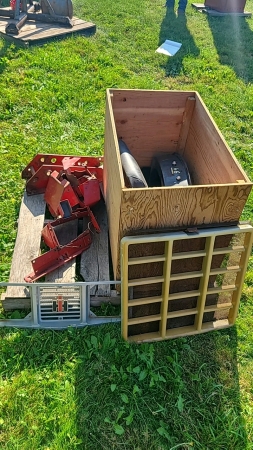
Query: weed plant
[[86, 388]]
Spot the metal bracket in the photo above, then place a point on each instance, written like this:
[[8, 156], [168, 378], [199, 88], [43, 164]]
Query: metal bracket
[[59, 255]]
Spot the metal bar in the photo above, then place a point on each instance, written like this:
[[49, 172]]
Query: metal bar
[[144, 281], [180, 235], [146, 260], [145, 301], [34, 290], [240, 278], [124, 288], [144, 319]]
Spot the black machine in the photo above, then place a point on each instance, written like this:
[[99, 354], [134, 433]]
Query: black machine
[[167, 169]]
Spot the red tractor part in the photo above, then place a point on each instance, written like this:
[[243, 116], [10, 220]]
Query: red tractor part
[[58, 160], [48, 232], [58, 255], [37, 171], [58, 191]]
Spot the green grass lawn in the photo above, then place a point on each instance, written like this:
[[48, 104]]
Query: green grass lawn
[[87, 388]]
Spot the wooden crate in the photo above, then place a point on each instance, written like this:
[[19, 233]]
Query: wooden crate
[[153, 122]]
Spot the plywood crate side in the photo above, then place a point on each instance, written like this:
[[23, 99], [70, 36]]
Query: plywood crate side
[[113, 180], [149, 122], [209, 158], [163, 207], [151, 99]]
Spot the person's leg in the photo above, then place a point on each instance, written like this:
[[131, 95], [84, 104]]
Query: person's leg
[[181, 6]]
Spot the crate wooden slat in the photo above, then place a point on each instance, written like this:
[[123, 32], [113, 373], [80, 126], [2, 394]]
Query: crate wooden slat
[[94, 264], [27, 247]]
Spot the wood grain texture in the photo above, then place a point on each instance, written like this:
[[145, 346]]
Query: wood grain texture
[[149, 121], [94, 265], [27, 246], [187, 116], [181, 206], [209, 158], [113, 179], [142, 98]]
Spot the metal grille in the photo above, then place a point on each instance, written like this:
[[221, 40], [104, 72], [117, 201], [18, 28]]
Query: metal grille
[[187, 283], [59, 304]]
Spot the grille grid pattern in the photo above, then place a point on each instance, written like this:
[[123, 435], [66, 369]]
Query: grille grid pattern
[[176, 302], [59, 303]]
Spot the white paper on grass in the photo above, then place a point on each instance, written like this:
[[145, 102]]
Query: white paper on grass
[[169, 48]]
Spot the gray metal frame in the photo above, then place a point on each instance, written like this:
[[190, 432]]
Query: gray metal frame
[[35, 318]]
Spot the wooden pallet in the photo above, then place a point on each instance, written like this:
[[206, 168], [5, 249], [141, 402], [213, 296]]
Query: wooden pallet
[[212, 12], [37, 33], [94, 263]]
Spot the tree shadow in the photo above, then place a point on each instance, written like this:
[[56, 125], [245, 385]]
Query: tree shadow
[[233, 40], [175, 28]]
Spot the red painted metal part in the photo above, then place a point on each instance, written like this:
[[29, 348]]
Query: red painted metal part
[[68, 182], [58, 256], [90, 191], [48, 232], [57, 190], [53, 194], [57, 160], [37, 183]]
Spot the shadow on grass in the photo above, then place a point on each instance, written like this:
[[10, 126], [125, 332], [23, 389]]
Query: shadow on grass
[[175, 394], [88, 389], [233, 40], [174, 28]]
